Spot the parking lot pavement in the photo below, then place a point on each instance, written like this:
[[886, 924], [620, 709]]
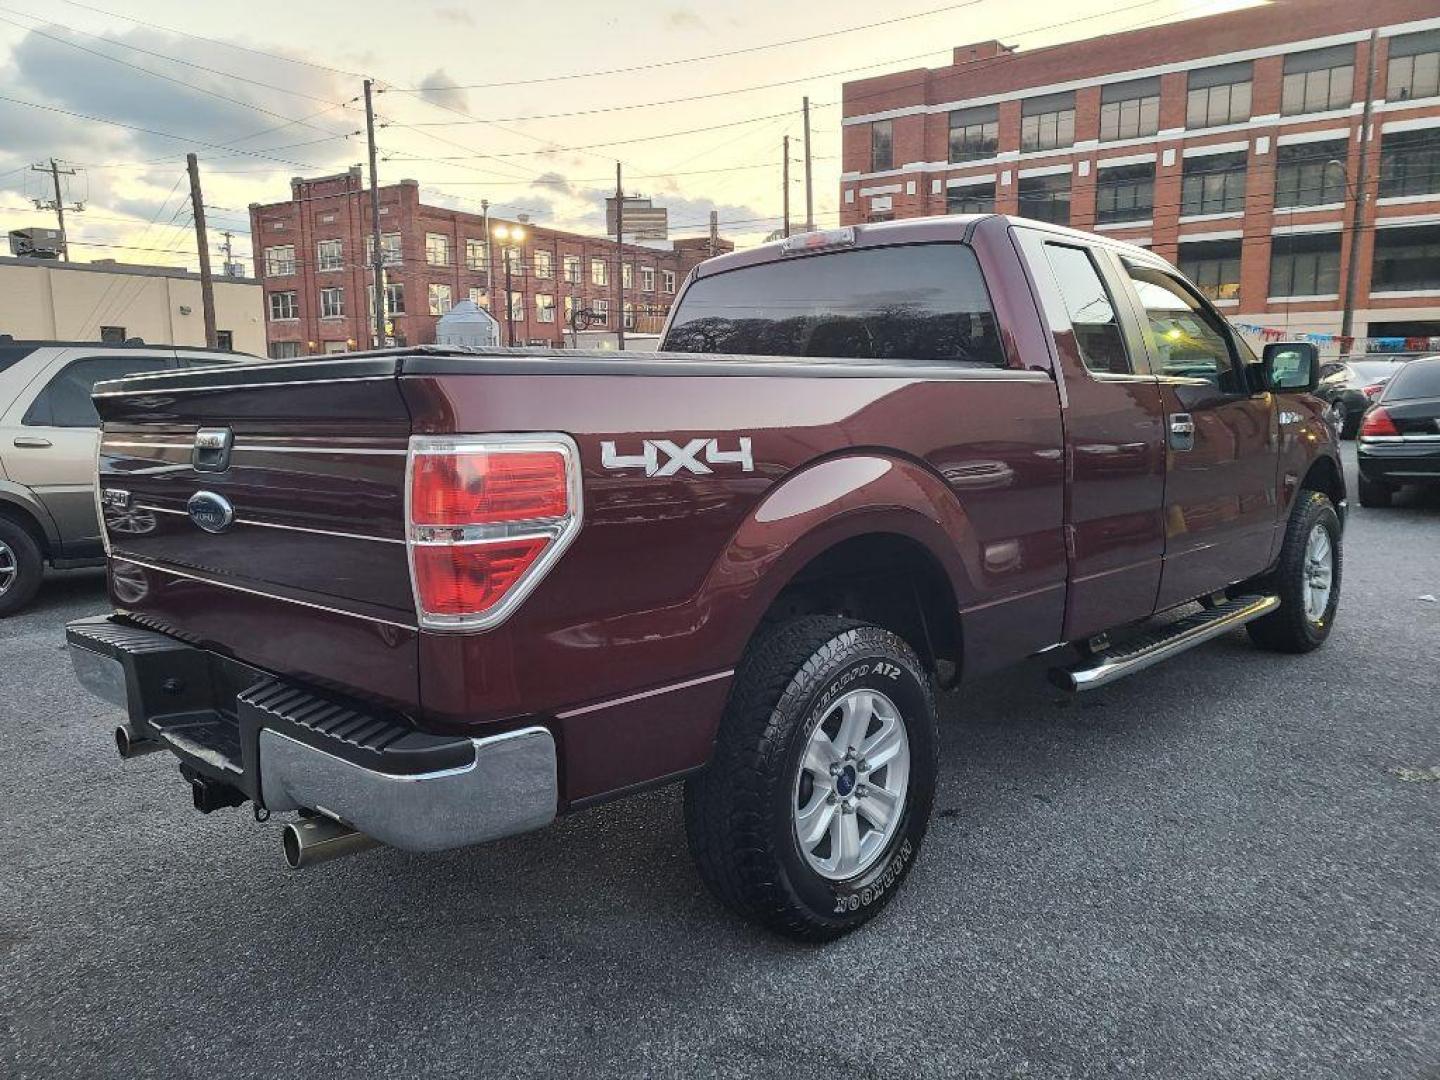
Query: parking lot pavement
[[1223, 867]]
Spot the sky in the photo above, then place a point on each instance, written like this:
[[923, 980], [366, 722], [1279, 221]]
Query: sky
[[529, 108]]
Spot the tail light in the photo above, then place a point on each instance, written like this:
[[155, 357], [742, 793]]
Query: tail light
[[1372, 391], [1377, 422], [488, 516]]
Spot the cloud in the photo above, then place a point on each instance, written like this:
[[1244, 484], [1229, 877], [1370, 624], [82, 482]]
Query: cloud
[[438, 88], [458, 15], [683, 18]]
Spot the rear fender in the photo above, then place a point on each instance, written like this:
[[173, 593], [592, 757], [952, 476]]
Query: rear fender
[[823, 505], [17, 501]]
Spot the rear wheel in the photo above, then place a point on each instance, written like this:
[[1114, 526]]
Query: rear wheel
[[1374, 494], [1307, 580], [813, 809], [21, 567]]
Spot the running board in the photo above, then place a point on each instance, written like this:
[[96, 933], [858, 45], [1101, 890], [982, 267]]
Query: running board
[[1164, 643]]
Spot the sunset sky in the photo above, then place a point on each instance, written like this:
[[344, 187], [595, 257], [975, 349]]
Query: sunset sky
[[472, 102]]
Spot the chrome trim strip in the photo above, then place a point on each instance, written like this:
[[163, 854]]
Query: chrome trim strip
[[629, 698], [161, 391], [121, 557], [512, 786], [277, 525], [262, 448], [1399, 438]]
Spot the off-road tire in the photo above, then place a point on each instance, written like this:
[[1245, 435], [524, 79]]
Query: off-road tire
[[1289, 628], [738, 812], [29, 567], [1374, 494]]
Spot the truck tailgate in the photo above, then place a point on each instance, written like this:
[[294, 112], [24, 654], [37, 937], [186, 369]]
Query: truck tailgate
[[310, 578]]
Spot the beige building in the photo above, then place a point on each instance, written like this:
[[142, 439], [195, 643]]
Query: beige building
[[110, 301]]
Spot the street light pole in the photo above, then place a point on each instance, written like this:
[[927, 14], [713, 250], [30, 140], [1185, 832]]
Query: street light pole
[[510, 236]]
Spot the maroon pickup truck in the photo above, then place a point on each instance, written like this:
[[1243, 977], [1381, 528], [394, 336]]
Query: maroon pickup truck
[[427, 597]]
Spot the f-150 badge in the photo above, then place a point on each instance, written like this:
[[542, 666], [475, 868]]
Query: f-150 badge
[[662, 457]]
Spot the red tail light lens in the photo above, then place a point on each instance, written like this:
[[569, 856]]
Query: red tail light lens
[[488, 516], [1377, 422]]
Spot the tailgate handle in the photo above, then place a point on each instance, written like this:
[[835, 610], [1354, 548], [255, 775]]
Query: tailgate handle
[[32, 442], [212, 449]]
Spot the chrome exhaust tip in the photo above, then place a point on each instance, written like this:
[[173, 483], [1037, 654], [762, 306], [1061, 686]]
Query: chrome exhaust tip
[[132, 744], [314, 840]]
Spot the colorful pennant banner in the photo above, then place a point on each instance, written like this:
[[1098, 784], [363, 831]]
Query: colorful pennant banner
[[1371, 345]]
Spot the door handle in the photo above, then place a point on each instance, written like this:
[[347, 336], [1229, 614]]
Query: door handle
[[1182, 431], [31, 442]]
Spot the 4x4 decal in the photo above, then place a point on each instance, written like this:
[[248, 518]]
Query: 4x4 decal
[[677, 457]]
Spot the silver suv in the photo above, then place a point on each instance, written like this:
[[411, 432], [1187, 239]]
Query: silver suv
[[48, 429]]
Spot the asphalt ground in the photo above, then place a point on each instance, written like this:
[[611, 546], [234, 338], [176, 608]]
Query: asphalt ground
[[1223, 867]]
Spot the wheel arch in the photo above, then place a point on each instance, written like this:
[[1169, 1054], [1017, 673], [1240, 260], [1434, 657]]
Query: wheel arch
[[31, 518], [1324, 476]]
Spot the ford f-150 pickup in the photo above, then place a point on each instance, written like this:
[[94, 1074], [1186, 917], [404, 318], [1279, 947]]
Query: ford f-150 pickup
[[427, 597]]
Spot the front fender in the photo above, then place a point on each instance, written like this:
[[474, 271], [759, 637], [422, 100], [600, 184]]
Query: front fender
[[814, 509]]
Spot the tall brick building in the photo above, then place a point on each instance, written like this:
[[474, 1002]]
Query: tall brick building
[[313, 255], [1229, 144]]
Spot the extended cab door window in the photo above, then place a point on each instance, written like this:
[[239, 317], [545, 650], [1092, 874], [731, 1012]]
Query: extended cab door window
[[911, 302], [1092, 314]]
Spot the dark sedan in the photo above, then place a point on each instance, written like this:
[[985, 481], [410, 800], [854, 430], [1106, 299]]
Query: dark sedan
[[1351, 387], [1400, 434]]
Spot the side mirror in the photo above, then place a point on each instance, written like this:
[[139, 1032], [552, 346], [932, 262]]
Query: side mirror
[[1292, 366]]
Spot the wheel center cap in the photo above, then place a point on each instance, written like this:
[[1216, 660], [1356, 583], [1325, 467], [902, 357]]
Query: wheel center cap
[[845, 782]]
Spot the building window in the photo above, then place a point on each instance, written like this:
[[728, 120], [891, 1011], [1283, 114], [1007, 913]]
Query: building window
[[1414, 70], [332, 303], [882, 146], [329, 255], [1125, 193], [599, 272], [283, 305], [280, 260], [627, 276], [1219, 95], [544, 264], [1213, 184], [389, 250], [572, 269], [1305, 264], [601, 310], [517, 306], [1410, 163], [970, 199], [570, 307], [284, 350], [1318, 80], [112, 335], [974, 133], [1406, 259], [225, 340], [395, 298], [1047, 122], [437, 249], [475, 255], [514, 261], [440, 301], [1310, 174], [1214, 267], [667, 280], [544, 308], [1046, 198], [1129, 110], [647, 279], [627, 315], [478, 296]]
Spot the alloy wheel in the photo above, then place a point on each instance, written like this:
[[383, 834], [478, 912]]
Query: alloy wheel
[[1319, 572]]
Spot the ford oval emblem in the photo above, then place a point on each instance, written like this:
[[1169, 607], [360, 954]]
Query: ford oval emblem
[[211, 512]]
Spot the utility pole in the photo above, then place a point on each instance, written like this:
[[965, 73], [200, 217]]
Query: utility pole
[[1352, 266], [619, 259], [228, 247], [377, 256], [489, 262], [714, 242], [809, 191], [202, 243], [58, 204], [785, 185]]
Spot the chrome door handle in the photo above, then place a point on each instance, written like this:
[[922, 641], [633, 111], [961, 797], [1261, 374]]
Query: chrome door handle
[[31, 442], [1182, 431]]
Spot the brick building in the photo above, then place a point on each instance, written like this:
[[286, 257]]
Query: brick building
[[1228, 144], [313, 255]]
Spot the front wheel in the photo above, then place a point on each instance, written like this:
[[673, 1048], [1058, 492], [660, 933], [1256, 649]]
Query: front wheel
[[1307, 580], [813, 808]]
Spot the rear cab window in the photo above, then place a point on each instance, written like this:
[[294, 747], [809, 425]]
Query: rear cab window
[[921, 302], [1416, 380]]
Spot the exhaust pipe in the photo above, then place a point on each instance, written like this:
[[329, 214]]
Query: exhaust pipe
[[315, 840], [132, 744]]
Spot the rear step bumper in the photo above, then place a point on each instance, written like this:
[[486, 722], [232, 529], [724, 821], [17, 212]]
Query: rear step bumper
[[1164, 643], [288, 748]]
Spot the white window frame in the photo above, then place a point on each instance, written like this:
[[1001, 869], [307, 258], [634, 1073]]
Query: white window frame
[[332, 302], [667, 279], [544, 264], [599, 272], [438, 293], [278, 265], [437, 243], [326, 262], [544, 308], [292, 304], [647, 279]]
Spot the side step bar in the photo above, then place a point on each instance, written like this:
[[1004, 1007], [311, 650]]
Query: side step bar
[[1164, 643]]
